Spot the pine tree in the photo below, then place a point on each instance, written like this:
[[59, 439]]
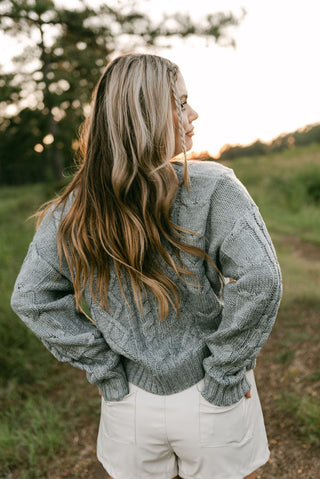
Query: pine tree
[[65, 53]]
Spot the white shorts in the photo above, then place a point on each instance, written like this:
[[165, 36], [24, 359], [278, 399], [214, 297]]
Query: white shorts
[[147, 436]]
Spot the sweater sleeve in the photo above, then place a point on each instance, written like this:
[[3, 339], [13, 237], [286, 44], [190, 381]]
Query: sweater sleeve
[[244, 253], [43, 299]]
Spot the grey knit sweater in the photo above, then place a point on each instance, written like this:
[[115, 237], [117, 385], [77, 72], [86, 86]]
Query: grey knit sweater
[[220, 331]]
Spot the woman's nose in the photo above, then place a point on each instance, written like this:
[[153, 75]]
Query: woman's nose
[[193, 115]]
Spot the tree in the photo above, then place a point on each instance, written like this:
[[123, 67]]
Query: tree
[[66, 52]]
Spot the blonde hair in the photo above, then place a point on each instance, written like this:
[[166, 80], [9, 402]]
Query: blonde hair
[[125, 185]]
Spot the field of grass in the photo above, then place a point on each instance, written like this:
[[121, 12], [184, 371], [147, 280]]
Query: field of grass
[[36, 413], [286, 188], [46, 407]]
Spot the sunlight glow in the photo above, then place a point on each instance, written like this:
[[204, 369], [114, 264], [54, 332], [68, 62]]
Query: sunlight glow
[[38, 148], [48, 139], [58, 113]]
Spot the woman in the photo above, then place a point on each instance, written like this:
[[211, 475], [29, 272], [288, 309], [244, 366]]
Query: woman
[[180, 277]]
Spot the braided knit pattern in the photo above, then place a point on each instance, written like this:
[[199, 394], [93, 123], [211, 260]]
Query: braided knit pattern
[[219, 333]]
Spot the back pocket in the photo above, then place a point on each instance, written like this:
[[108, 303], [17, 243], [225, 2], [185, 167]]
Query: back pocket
[[119, 418], [223, 425]]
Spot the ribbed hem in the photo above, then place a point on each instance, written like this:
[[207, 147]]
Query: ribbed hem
[[114, 389], [170, 379]]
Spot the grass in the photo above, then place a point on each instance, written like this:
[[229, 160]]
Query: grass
[[32, 427], [29, 425], [19, 345], [38, 410], [286, 188], [42, 401], [30, 433], [306, 413], [285, 357]]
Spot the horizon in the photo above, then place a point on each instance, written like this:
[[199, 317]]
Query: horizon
[[217, 155]]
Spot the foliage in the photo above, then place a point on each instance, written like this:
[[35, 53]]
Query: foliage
[[16, 148], [230, 152], [301, 137], [295, 190], [45, 99]]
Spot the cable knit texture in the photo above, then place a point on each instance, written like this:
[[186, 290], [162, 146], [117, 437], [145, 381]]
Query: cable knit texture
[[220, 331]]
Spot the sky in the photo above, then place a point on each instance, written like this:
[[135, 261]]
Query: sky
[[267, 85]]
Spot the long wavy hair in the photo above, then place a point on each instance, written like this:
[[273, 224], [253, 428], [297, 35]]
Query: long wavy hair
[[125, 184]]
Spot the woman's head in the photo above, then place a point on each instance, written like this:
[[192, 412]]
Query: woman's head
[[183, 116], [140, 117]]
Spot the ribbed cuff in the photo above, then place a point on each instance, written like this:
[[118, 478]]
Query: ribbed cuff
[[114, 389], [224, 395]]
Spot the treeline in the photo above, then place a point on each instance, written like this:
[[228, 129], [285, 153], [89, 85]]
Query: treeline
[[301, 137]]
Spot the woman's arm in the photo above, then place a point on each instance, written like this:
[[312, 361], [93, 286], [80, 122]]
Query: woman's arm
[[251, 299], [43, 299]]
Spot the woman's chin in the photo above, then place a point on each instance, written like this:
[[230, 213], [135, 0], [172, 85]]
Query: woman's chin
[[189, 143]]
